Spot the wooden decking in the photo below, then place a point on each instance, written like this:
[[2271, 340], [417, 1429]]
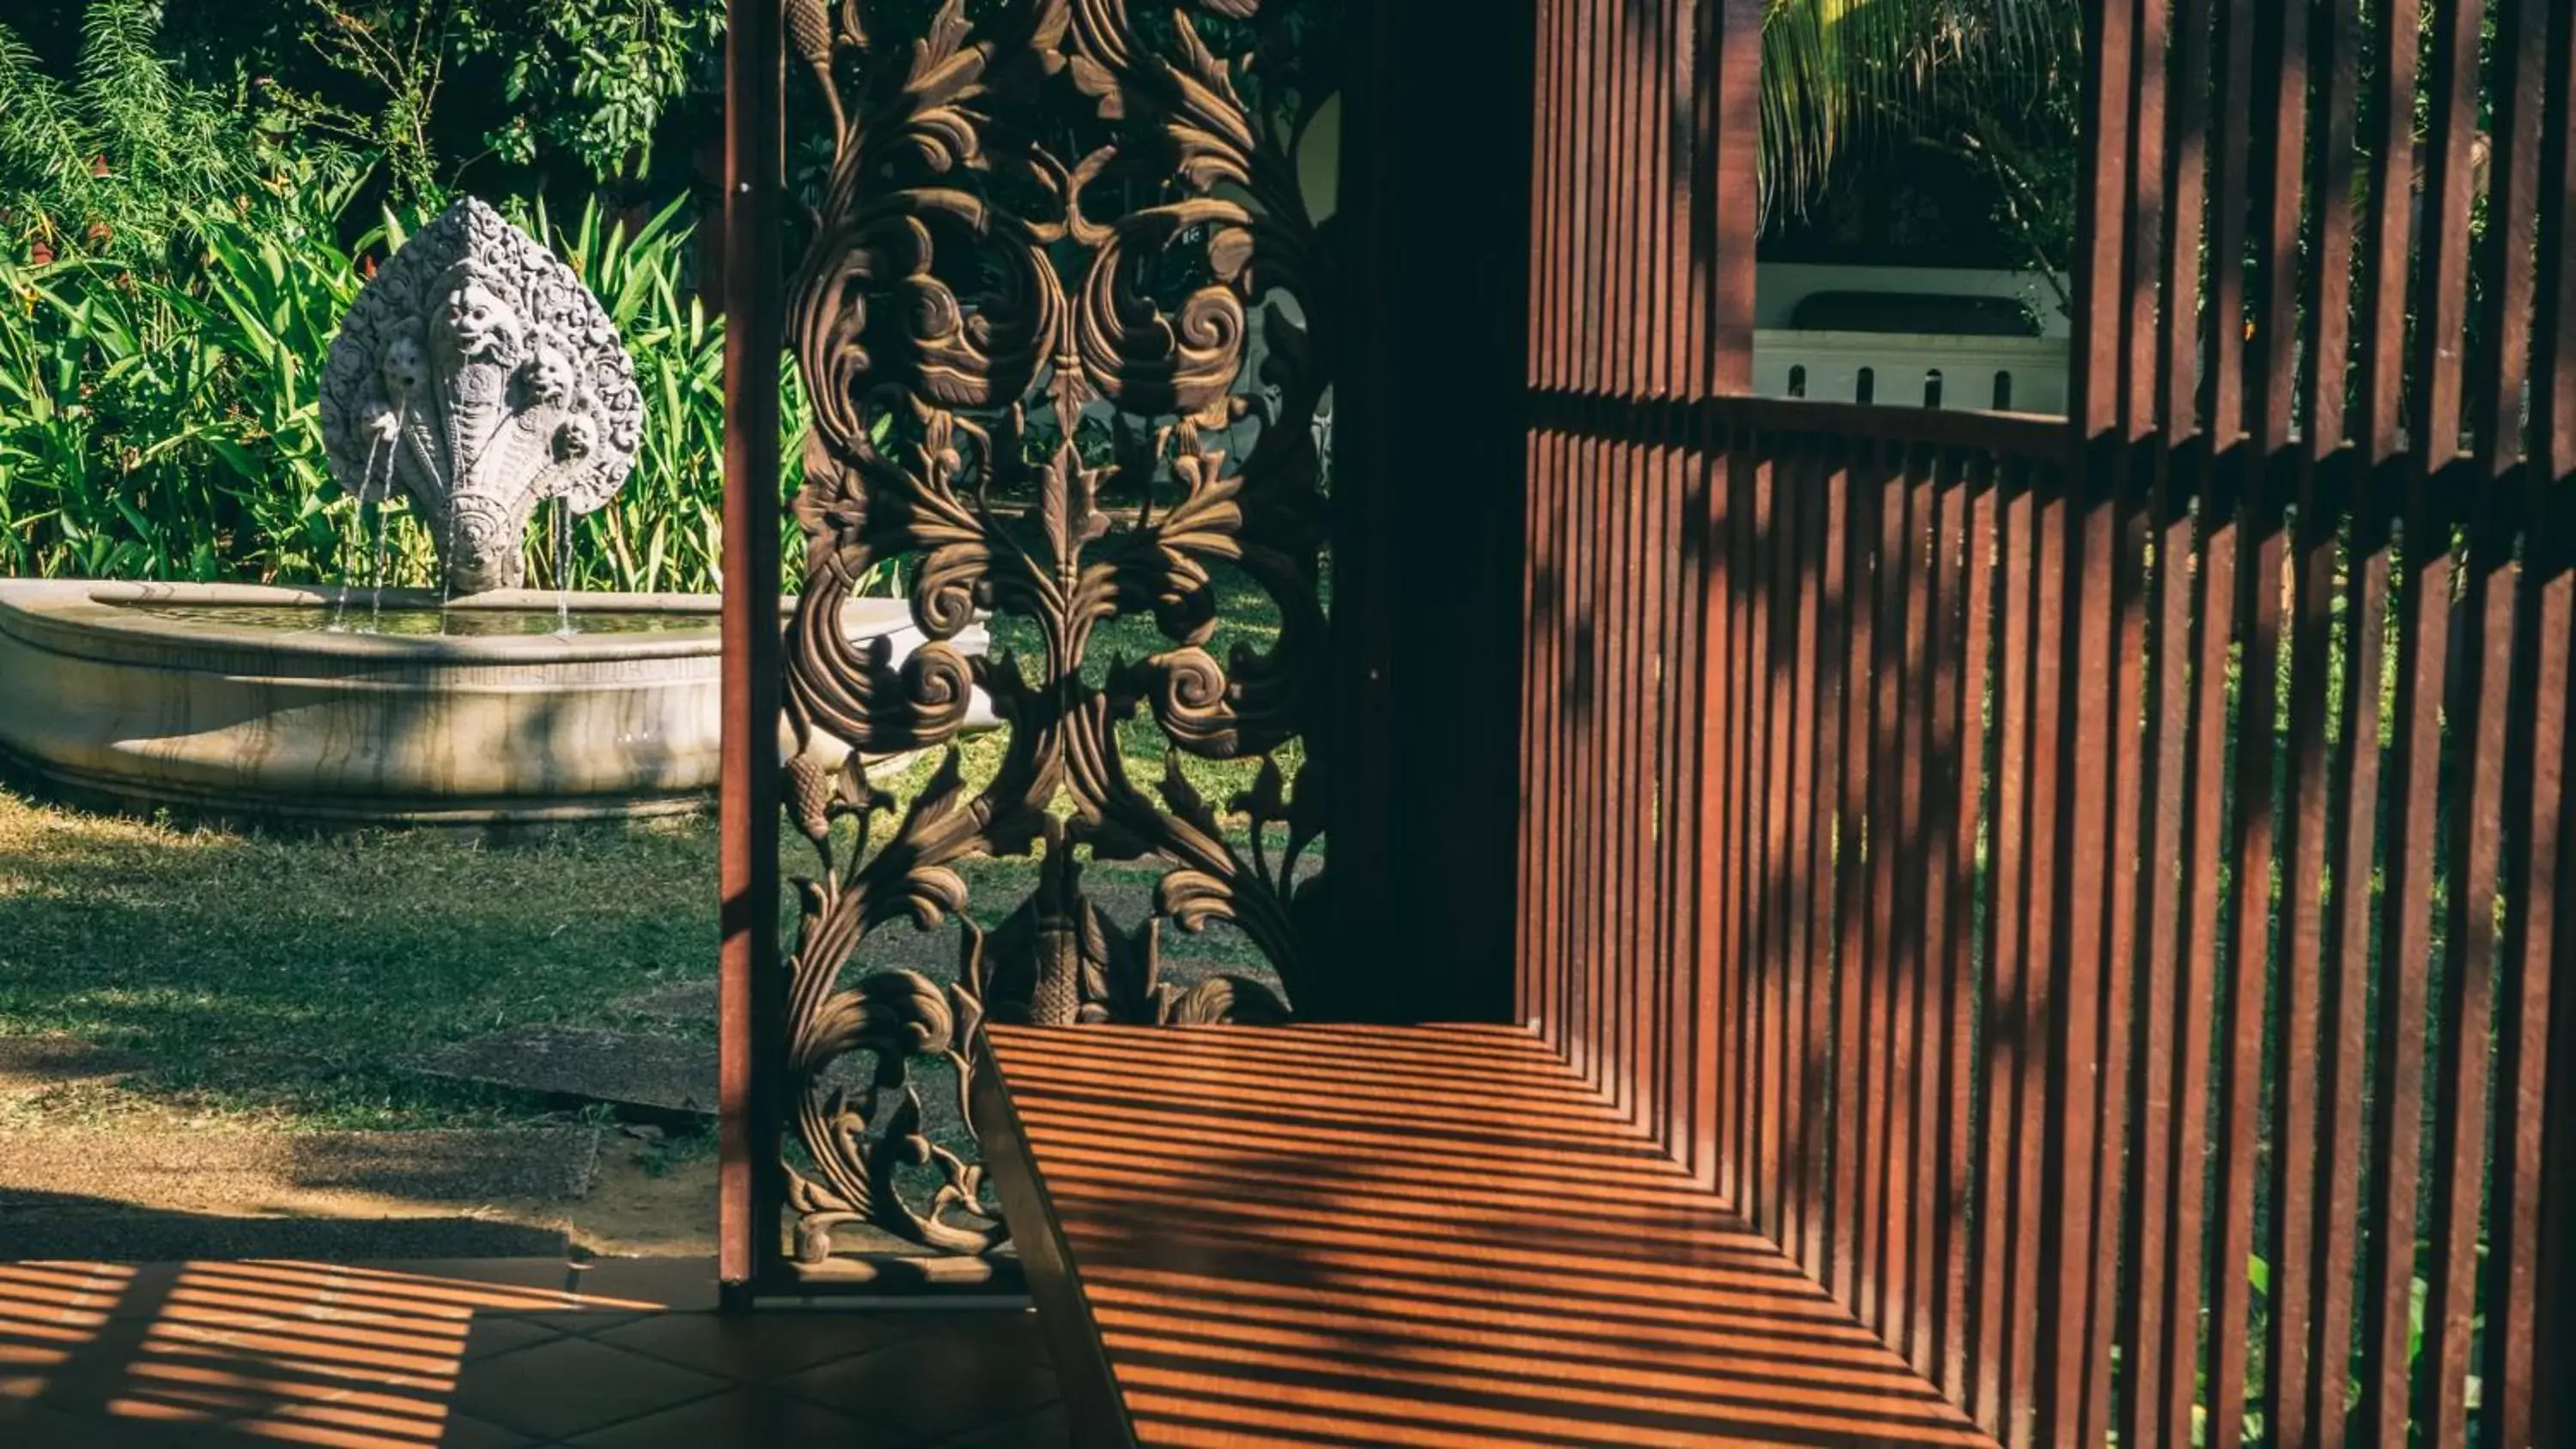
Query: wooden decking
[[1432, 1235]]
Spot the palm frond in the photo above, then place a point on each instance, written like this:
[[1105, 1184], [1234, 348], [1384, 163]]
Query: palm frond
[[1838, 75]]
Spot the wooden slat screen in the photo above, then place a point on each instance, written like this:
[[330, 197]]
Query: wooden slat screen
[[2091, 891]]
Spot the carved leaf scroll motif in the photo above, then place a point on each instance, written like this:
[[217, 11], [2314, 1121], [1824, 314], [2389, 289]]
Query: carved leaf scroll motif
[[1025, 322]]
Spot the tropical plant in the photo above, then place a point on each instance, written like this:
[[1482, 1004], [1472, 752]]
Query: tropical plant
[[109, 164], [1993, 81], [594, 77]]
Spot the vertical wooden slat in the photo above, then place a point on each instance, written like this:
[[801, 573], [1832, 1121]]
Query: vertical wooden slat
[[1620, 806], [1678, 687], [1688, 726], [1620, 232], [1881, 1268], [1819, 765], [1660, 819], [1715, 791], [2332, 173], [1646, 957], [2186, 190], [2346, 991], [1736, 77], [1558, 1008], [1591, 529], [1547, 121], [2133, 800], [2450, 187], [2037, 1017], [1966, 970], [2149, 1280], [1620, 961], [2531, 1323], [1562, 760], [1546, 585], [2422, 599], [1752, 863], [2001, 1400], [2501, 364], [1788, 508], [2298, 1265], [2147, 215], [2476, 716], [2240, 1103], [1590, 191], [1752, 515], [1583, 697], [2085, 983], [1532, 821], [2204, 868], [2391, 102], [1699, 222], [2102, 300], [1667, 91], [2222, 355], [1851, 900], [2553, 361], [2280, 120], [1913, 1271]]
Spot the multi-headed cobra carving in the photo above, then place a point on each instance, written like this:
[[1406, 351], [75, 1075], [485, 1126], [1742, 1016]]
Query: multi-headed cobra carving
[[478, 375], [1061, 216]]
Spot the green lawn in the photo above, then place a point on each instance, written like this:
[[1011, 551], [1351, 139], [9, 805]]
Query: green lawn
[[281, 979]]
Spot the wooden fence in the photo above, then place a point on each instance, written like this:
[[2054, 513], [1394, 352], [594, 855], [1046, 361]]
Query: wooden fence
[[2091, 889]]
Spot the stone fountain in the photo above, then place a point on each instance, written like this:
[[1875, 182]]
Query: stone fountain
[[477, 376]]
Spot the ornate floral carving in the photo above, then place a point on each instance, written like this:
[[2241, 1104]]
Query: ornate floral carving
[[479, 375], [976, 305]]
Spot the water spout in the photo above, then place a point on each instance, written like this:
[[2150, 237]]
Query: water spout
[[379, 466], [563, 568], [376, 570]]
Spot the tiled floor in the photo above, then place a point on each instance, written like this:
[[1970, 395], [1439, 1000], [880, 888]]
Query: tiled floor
[[619, 1354]]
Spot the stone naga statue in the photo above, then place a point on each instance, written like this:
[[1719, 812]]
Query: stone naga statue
[[479, 375]]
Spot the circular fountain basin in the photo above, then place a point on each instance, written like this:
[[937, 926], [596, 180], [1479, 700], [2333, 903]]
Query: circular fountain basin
[[337, 707]]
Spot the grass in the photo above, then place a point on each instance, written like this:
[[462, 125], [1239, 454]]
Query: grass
[[281, 979]]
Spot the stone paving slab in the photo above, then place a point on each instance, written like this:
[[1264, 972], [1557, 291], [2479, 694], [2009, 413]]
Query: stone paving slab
[[657, 1073]]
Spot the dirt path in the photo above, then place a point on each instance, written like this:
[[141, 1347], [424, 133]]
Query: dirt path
[[142, 1181]]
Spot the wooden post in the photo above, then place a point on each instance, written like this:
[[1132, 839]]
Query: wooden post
[[749, 1004]]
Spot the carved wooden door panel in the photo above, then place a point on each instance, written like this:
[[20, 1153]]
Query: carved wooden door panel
[[1061, 327]]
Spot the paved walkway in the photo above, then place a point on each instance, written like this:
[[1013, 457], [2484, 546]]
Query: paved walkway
[[504, 1352]]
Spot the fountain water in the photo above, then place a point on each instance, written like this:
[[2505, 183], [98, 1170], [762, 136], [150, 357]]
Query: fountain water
[[563, 569]]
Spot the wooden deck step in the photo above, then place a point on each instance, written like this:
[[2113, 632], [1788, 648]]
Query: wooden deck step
[[1435, 1235]]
